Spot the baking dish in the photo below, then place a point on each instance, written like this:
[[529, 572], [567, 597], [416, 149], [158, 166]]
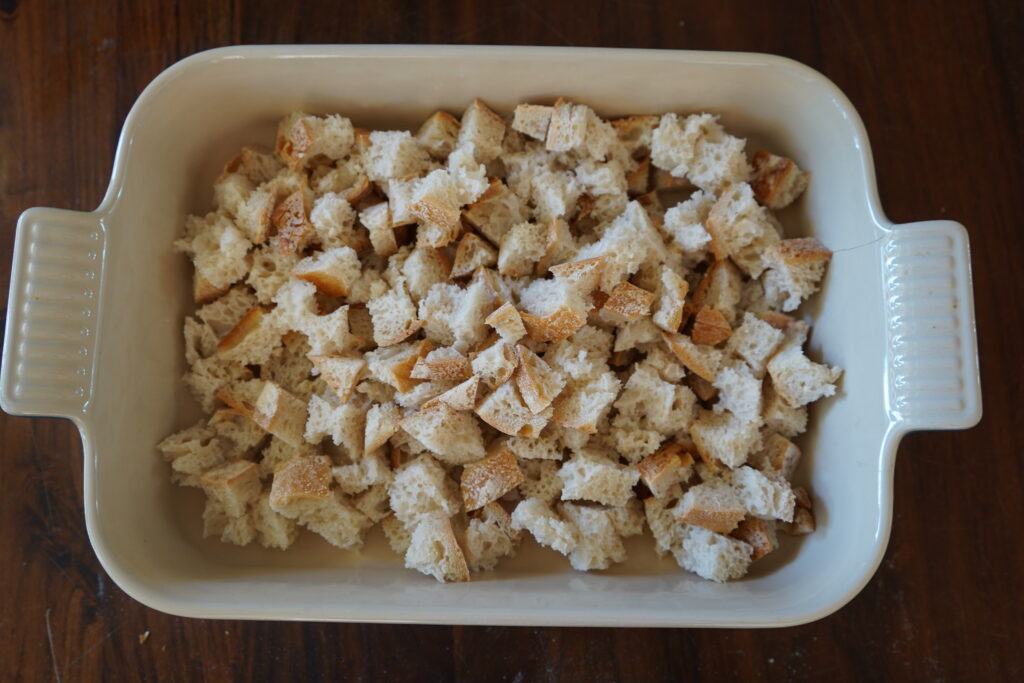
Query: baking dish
[[97, 299]]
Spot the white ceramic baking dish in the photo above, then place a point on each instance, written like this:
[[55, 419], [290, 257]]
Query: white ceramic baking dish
[[96, 302]]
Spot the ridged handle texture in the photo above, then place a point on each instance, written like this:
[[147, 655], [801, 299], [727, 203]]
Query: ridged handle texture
[[50, 338], [933, 379]]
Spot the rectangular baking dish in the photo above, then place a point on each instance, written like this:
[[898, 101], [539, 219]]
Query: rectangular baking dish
[[93, 334]]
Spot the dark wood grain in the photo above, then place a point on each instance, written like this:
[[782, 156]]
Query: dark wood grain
[[941, 90]]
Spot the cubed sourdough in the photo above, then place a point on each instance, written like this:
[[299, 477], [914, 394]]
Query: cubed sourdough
[[668, 466], [724, 437], [332, 272], [547, 527], [421, 488], [451, 435], [487, 480], [472, 253], [499, 325], [280, 413], [489, 537], [532, 120], [777, 180], [302, 491], [713, 505], [340, 372], [438, 134], [505, 411], [794, 269], [434, 550], [600, 533], [597, 478], [538, 383], [799, 380]]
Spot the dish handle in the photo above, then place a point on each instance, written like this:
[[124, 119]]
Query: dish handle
[[932, 372], [52, 307]]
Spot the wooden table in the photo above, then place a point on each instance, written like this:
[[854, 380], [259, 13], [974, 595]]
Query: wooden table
[[940, 90]]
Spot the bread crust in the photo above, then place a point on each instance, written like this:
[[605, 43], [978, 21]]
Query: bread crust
[[777, 180], [538, 384], [506, 320], [401, 371], [755, 533], [432, 210], [447, 369], [203, 291], [710, 328], [472, 253], [629, 301], [324, 281], [559, 325], [557, 243], [704, 361], [665, 467], [671, 311], [779, 321], [301, 479], [460, 397], [341, 373], [487, 480], [291, 219], [721, 520], [802, 250], [249, 323], [281, 414], [720, 284], [585, 274], [294, 136]]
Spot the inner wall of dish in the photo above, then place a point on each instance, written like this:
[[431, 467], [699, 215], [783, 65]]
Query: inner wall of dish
[[188, 125]]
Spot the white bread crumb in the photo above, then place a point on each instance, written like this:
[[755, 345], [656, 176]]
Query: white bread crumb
[[421, 488], [714, 556], [725, 437], [800, 380], [597, 478], [532, 120], [739, 392], [780, 416], [685, 222], [434, 550], [394, 154], [521, 248], [547, 527], [628, 242], [795, 267], [600, 533], [489, 537], [754, 341], [452, 436], [438, 134], [505, 411], [542, 480], [484, 129]]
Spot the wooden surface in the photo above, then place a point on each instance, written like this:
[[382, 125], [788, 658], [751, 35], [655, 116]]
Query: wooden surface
[[939, 87]]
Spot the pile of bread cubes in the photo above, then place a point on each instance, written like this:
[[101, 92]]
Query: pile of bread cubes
[[554, 325]]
